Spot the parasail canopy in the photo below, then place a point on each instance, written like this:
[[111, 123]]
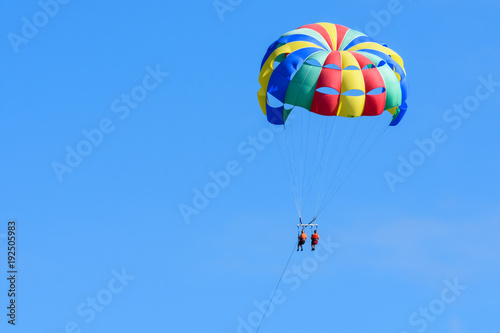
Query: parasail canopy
[[331, 70]]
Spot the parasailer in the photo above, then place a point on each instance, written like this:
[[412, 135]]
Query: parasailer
[[314, 240], [302, 240]]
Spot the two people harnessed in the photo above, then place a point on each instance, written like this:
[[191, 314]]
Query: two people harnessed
[[303, 236]]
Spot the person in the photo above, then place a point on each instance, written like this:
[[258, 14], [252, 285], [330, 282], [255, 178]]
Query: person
[[314, 240], [302, 240]]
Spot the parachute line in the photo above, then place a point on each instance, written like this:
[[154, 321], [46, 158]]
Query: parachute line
[[340, 159], [353, 162], [287, 164], [276, 288]]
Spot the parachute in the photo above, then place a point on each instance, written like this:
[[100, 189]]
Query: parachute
[[324, 89]]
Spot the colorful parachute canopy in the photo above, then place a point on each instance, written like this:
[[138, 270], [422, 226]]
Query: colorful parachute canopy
[[331, 70]]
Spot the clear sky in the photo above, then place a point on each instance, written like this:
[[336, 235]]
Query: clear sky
[[115, 114]]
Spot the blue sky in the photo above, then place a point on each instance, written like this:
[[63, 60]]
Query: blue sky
[[158, 97]]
